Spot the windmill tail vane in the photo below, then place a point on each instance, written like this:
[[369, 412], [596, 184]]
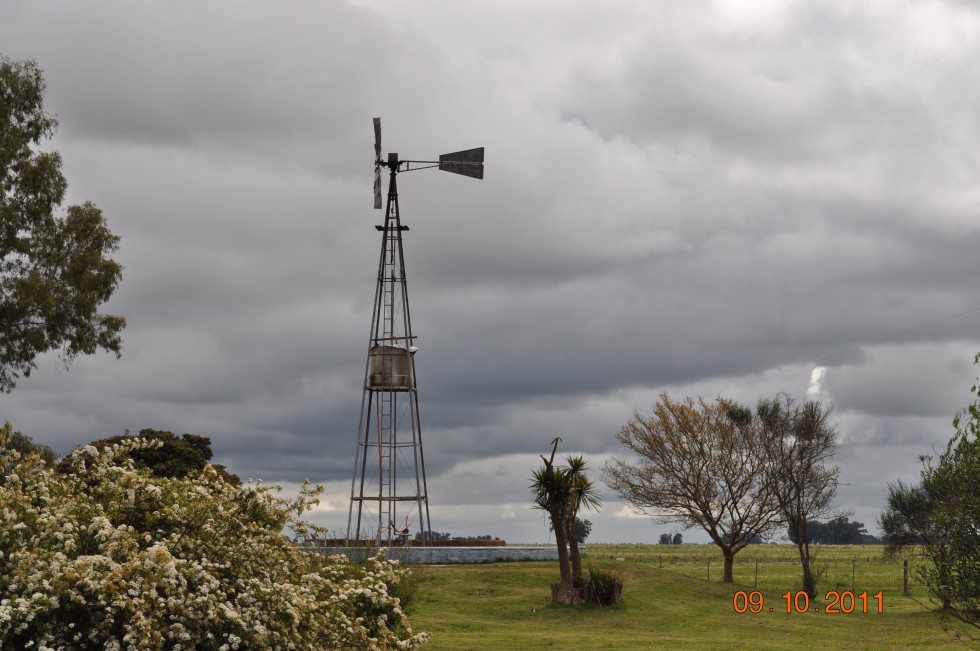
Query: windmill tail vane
[[467, 162]]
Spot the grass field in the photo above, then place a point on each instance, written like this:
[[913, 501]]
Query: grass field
[[670, 603]]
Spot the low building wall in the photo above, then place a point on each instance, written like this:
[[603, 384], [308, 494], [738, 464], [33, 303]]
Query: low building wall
[[458, 542], [453, 555]]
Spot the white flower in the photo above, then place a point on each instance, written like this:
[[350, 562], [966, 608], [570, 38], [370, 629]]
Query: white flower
[[84, 553]]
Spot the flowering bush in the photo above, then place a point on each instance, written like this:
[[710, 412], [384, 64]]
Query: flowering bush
[[105, 556]]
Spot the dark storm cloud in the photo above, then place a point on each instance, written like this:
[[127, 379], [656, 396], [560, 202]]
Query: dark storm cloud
[[222, 73], [702, 198], [911, 383]]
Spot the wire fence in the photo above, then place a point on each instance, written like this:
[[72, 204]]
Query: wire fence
[[837, 567]]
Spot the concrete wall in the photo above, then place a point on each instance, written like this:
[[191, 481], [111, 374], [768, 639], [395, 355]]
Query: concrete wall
[[453, 555]]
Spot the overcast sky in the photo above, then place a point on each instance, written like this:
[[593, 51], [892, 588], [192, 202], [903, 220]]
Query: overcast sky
[[705, 198]]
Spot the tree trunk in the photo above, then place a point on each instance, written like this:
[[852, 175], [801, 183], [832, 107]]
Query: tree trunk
[[576, 560], [809, 580], [729, 565], [566, 590], [799, 531], [573, 550]]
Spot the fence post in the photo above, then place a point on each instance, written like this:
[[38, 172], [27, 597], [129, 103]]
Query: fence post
[[905, 576], [853, 571], [661, 561], [755, 582], [709, 569]]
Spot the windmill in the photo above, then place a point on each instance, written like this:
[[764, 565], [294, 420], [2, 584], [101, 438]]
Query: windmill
[[389, 497]]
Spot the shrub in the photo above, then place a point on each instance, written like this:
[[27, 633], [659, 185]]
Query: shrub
[[604, 587], [108, 556]]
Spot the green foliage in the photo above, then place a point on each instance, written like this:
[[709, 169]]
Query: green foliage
[[954, 489], [109, 556], [406, 588], [54, 270], [604, 587], [967, 421], [941, 513], [907, 518], [581, 530]]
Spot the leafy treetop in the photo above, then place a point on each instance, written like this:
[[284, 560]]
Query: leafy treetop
[[176, 456], [54, 270]]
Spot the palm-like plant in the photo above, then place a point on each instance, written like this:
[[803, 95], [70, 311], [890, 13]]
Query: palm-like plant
[[562, 492], [548, 488]]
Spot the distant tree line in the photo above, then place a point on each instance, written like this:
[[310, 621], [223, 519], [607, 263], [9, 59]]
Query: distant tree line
[[438, 535], [838, 531], [667, 539], [580, 529]]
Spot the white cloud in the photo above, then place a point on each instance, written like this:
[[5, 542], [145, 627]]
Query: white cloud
[[815, 390], [630, 514]]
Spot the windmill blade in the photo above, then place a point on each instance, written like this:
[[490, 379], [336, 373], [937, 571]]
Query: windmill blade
[[377, 163], [468, 162]]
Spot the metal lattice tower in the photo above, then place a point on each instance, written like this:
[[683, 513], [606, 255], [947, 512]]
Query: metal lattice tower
[[389, 496]]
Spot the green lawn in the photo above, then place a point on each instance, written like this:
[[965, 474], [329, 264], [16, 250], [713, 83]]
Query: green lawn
[[669, 603]]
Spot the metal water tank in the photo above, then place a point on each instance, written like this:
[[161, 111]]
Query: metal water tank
[[390, 368]]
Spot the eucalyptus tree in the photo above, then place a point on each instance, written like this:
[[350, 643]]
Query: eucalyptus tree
[[54, 268]]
